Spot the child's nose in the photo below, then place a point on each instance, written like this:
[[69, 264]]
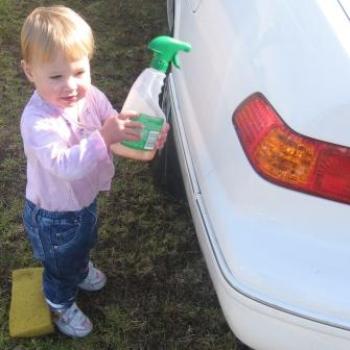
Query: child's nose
[[71, 83]]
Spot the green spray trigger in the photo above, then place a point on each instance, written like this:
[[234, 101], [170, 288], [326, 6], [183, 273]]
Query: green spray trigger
[[176, 61], [166, 49]]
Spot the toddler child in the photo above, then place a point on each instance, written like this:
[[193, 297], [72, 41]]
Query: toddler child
[[67, 127]]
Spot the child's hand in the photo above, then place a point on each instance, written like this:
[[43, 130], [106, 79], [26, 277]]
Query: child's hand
[[163, 136], [121, 127]]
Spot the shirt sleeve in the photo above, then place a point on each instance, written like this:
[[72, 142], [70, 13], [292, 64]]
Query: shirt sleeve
[[103, 106], [43, 140]]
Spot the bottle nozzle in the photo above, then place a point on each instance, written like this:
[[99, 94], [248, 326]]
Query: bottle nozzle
[[166, 51]]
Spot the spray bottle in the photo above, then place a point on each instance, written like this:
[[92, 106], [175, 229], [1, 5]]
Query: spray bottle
[[143, 98]]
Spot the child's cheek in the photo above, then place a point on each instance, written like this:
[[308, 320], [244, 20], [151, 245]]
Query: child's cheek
[[83, 89]]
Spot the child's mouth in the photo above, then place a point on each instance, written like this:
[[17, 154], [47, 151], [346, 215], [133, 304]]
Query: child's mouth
[[70, 98]]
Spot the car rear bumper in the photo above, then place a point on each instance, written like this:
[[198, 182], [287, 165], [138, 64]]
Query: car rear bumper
[[258, 324]]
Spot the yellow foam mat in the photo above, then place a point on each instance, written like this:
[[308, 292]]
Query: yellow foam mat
[[29, 313]]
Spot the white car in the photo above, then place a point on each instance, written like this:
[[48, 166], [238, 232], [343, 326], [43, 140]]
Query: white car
[[260, 112]]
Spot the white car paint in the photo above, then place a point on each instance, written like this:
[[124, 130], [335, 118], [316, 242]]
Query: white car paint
[[278, 258]]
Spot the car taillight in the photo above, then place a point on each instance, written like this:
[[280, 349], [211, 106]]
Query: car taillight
[[287, 158]]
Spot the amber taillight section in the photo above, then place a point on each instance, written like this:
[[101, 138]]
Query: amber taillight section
[[287, 158]]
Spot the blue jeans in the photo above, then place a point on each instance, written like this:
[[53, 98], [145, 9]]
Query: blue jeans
[[62, 242]]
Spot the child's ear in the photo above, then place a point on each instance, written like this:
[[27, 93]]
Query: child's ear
[[27, 69]]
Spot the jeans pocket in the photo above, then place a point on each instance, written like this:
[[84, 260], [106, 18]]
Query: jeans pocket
[[64, 232], [33, 234]]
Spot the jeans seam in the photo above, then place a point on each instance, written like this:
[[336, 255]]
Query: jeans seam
[[53, 252]]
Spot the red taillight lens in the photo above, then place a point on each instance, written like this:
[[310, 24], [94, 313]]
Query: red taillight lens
[[289, 159]]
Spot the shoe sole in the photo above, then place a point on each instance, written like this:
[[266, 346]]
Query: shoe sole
[[69, 334], [96, 287]]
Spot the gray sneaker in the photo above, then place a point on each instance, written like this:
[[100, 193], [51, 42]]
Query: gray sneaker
[[94, 281], [72, 322]]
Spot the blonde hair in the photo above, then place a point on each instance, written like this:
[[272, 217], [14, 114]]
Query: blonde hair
[[48, 30]]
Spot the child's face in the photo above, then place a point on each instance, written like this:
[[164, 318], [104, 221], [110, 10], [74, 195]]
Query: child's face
[[60, 82]]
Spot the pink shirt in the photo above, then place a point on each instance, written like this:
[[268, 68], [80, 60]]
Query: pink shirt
[[68, 163]]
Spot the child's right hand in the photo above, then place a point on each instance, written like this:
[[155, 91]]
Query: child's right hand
[[121, 127]]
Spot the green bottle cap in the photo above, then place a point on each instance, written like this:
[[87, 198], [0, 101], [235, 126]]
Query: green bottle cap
[[166, 49]]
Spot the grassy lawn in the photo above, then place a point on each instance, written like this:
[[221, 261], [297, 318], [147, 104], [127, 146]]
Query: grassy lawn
[[158, 295]]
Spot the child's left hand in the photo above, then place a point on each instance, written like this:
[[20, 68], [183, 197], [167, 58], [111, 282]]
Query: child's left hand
[[163, 136]]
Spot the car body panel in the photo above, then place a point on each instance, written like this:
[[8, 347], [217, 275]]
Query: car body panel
[[261, 325], [280, 248], [267, 48], [194, 4], [345, 4]]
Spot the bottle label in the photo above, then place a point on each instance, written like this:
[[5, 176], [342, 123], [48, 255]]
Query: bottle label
[[149, 134]]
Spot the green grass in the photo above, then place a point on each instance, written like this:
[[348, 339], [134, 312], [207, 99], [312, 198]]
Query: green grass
[[159, 295]]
